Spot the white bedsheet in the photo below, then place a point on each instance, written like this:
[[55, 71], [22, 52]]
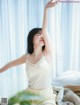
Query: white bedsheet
[[68, 78]]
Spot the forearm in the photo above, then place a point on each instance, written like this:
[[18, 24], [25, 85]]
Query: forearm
[[6, 67], [50, 4], [45, 19], [13, 63]]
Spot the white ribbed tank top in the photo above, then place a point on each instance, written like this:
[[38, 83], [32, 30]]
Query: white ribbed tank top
[[39, 74]]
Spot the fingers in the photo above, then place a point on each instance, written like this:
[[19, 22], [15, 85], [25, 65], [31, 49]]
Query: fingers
[[57, 1], [54, 1]]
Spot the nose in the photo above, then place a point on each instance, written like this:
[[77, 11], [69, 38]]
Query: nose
[[41, 36]]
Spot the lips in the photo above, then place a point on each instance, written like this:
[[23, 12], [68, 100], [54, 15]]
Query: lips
[[41, 40]]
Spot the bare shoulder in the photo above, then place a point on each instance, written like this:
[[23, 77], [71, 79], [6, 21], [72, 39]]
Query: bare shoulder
[[18, 61], [25, 56], [22, 59]]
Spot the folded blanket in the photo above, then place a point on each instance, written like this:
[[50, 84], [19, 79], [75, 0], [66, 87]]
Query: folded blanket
[[66, 96], [70, 96]]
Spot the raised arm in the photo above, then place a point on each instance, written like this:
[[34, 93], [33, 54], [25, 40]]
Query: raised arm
[[48, 48], [13, 63], [50, 4]]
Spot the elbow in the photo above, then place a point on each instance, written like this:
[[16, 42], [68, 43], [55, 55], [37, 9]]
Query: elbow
[[44, 30]]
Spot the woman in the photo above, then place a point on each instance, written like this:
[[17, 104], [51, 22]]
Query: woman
[[38, 61]]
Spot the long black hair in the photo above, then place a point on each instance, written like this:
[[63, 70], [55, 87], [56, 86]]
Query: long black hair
[[31, 34]]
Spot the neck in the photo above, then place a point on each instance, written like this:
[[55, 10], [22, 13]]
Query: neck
[[37, 51]]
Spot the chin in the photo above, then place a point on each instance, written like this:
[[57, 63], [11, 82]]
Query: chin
[[42, 43]]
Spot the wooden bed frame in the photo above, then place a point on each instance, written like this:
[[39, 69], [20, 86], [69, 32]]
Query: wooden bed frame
[[75, 89]]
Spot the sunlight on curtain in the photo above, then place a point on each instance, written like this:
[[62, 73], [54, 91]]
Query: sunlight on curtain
[[14, 27], [17, 18], [64, 28], [75, 35], [55, 32]]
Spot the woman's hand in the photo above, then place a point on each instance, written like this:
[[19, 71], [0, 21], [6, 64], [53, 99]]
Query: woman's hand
[[51, 3], [0, 70]]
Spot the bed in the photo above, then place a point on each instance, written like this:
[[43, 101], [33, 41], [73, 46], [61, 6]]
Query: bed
[[75, 89], [67, 88], [67, 95]]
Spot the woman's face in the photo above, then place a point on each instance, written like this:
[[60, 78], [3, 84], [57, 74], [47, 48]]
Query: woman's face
[[38, 39]]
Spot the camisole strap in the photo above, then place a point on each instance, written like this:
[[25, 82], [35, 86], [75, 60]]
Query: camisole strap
[[33, 63]]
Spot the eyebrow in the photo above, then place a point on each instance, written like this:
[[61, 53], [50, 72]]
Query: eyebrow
[[39, 32]]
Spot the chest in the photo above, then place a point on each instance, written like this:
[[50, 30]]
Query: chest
[[36, 60], [41, 69]]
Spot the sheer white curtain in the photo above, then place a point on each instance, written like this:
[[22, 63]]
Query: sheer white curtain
[[64, 26], [17, 18]]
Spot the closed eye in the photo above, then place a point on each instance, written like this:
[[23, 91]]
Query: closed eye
[[38, 34]]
